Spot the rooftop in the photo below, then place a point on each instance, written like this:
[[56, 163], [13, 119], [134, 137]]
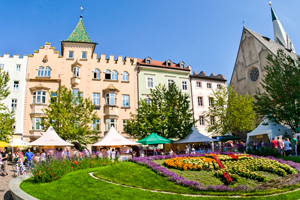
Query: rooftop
[[79, 34]]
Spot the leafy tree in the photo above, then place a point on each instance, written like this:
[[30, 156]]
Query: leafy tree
[[231, 112], [6, 116], [281, 99], [165, 112], [71, 116]]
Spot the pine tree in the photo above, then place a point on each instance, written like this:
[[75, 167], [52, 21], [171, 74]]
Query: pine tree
[[165, 112]]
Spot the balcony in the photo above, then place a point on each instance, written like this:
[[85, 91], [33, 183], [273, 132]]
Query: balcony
[[75, 80], [37, 109], [111, 111]]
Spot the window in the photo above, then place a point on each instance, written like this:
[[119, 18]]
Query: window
[[114, 75], [201, 120], [125, 100], [71, 54], [125, 76], [37, 123], [198, 84], [219, 86], [124, 124], [76, 71], [184, 85], [75, 94], [212, 120], [16, 85], [1, 66], [107, 74], [14, 104], [210, 101], [170, 82], [96, 124], [39, 97], [18, 68], [111, 99], [96, 99], [200, 101], [47, 71], [83, 55], [96, 74], [53, 97], [109, 123], [41, 71], [150, 82], [208, 85]]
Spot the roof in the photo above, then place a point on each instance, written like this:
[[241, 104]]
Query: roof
[[113, 138], [195, 136], [111, 87], [271, 45], [162, 64], [274, 17], [154, 139], [202, 74], [50, 138], [79, 34]]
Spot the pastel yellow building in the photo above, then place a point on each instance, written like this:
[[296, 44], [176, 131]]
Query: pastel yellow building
[[110, 82]]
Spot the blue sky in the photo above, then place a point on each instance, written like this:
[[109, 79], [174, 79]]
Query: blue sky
[[203, 34]]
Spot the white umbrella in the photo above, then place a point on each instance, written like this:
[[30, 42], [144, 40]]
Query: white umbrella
[[17, 143]]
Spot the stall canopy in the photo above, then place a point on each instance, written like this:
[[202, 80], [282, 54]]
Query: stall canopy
[[3, 144], [113, 138], [154, 139], [228, 137], [17, 143], [194, 137], [50, 138], [267, 130]]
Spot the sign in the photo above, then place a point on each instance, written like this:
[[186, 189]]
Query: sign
[[259, 136]]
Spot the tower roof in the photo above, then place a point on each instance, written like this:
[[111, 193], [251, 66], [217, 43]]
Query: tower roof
[[274, 16], [79, 34]]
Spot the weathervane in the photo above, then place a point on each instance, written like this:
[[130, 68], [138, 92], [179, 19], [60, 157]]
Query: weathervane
[[270, 2], [81, 11]]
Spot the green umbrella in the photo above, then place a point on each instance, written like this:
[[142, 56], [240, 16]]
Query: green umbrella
[[229, 137], [154, 139]]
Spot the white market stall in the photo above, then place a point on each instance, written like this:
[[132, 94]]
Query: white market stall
[[267, 130], [50, 140]]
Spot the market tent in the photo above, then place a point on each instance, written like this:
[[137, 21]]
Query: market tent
[[3, 144], [17, 143], [194, 137], [113, 138], [50, 138], [267, 130], [154, 139]]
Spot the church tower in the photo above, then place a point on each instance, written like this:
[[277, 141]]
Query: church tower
[[280, 36]]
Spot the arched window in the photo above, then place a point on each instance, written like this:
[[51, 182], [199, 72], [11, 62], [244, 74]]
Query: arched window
[[125, 76], [41, 71], [96, 74], [47, 71], [114, 75], [107, 74]]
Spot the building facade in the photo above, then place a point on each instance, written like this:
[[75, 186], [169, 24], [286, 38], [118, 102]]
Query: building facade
[[151, 73], [16, 67], [202, 88], [110, 82]]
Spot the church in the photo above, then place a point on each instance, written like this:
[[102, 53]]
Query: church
[[251, 58]]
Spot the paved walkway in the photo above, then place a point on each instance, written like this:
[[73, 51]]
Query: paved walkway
[[4, 189]]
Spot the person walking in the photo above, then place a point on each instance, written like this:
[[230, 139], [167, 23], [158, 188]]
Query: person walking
[[29, 156], [294, 145], [187, 149], [274, 143], [280, 145], [4, 161], [113, 154], [287, 148], [171, 152]]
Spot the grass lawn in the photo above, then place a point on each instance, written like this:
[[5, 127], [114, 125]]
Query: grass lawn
[[80, 185]]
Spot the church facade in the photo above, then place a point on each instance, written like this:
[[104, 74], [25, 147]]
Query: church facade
[[251, 59]]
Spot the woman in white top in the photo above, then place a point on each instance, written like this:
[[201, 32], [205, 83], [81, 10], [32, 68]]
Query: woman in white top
[[113, 154], [171, 152], [287, 148]]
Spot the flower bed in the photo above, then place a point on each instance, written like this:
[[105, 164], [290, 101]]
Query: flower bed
[[271, 165], [56, 167]]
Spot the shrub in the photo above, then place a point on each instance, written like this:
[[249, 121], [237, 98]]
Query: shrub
[[267, 151]]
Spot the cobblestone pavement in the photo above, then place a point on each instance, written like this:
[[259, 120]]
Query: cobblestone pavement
[[4, 180]]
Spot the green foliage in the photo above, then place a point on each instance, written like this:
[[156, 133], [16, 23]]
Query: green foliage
[[168, 114], [232, 112], [71, 116], [268, 151], [281, 98], [6, 116]]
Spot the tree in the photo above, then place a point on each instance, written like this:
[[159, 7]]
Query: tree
[[6, 116], [281, 99], [71, 116], [231, 112], [165, 112]]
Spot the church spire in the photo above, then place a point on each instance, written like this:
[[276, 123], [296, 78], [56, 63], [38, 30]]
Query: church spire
[[280, 36], [79, 34]]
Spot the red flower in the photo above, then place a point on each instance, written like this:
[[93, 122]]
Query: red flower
[[75, 162], [51, 174], [36, 174], [54, 177], [72, 167]]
